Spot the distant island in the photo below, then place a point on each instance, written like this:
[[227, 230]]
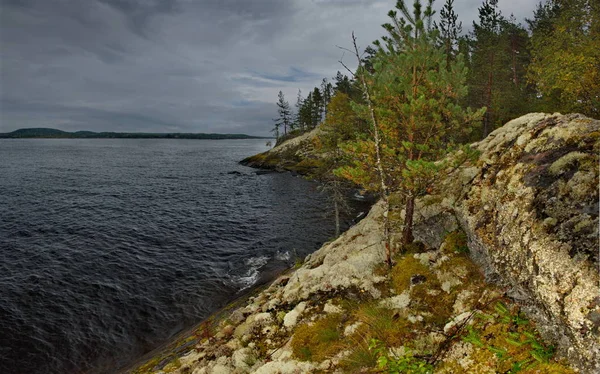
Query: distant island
[[54, 133]]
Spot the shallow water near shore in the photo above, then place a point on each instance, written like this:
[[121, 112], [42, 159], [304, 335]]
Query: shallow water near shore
[[109, 247]]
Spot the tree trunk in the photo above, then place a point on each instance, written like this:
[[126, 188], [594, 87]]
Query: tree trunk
[[337, 218], [378, 163], [487, 118], [407, 234], [513, 47], [386, 233]]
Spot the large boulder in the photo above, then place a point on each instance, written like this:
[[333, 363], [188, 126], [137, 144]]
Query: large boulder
[[529, 206], [346, 263]]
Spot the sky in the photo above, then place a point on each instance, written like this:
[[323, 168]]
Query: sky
[[179, 65]]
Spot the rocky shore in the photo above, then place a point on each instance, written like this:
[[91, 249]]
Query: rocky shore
[[503, 276]]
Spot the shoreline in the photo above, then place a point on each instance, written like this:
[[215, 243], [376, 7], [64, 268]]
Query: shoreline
[[175, 347], [455, 299]]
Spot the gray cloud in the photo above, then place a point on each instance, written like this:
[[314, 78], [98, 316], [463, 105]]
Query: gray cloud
[[182, 65]]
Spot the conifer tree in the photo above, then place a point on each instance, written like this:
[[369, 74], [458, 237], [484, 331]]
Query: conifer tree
[[341, 125], [485, 63], [513, 96], [450, 29], [317, 109], [413, 106], [285, 115], [297, 117], [305, 113], [342, 83], [499, 58], [326, 93]]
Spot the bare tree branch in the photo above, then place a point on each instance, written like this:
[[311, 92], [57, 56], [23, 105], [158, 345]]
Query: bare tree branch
[[377, 139]]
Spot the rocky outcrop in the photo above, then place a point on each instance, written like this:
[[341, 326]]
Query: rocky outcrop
[[530, 209], [514, 232], [295, 155]]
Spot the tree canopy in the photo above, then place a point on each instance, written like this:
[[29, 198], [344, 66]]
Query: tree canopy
[[425, 87]]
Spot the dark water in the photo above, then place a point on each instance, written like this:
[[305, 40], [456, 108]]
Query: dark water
[[109, 247]]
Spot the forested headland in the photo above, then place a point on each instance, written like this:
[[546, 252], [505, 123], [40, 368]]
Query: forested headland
[[427, 88]]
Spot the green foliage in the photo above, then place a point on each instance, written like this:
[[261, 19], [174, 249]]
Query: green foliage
[[415, 94], [450, 29], [360, 357], [344, 85], [407, 363], [473, 337], [509, 336], [456, 241], [507, 317], [498, 52], [565, 66], [285, 116], [341, 124]]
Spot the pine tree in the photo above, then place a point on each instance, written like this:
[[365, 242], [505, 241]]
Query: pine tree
[[513, 96], [499, 56], [450, 30], [305, 113], [342, 84], [285, 115], [341, 125], [485, 63], [317, 108], [297, 118], [414, 97], [326, 93]]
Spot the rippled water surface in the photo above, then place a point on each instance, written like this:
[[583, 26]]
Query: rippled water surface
[[110, 246]]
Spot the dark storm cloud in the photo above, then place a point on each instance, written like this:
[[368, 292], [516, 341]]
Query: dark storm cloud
[[182, 65]]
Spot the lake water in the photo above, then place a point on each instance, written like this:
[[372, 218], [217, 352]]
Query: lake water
[[108, 247]]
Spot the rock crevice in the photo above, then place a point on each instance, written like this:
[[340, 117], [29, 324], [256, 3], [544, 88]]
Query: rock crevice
[[531, 216]]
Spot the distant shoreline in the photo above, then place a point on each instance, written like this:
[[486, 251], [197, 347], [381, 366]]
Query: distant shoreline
[[48, 133]]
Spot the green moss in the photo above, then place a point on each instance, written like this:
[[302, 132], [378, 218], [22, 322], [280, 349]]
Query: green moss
[[318, 341], [396, 200], [403, 271], [582, 225], [463, 267], [435, 304], [149, 366], [456, 241], [307, 165], [414, 247]]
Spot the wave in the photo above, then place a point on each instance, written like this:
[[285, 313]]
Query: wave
[[252, 273]]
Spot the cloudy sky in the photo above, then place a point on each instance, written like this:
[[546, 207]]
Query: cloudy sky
[[180, 65]]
